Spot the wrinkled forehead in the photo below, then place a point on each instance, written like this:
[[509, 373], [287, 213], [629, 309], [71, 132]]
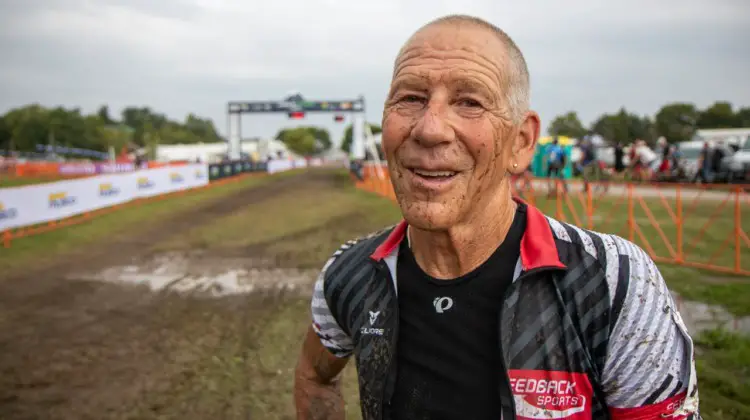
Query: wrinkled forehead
[[455, 48]]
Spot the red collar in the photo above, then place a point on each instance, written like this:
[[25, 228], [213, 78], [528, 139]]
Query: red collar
[[538, 248]]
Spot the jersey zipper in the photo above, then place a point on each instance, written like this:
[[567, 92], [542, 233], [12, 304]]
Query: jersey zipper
[[389, 383], [509, 413]]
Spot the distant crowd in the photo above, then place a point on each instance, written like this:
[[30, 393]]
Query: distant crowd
[[638, 162]]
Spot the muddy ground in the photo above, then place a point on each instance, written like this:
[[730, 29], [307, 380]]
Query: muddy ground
[[162, 322], [87, 335]]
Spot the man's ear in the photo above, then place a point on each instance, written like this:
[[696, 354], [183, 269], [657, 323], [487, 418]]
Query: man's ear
[[525, 142]]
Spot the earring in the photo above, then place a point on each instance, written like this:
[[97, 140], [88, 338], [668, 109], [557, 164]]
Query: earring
[[515, 165]]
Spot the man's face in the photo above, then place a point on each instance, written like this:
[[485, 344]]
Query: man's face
[[448, 135]]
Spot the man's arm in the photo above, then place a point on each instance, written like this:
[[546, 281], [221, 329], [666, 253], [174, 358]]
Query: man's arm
[[317, 390], [650, 370], [325, 352]]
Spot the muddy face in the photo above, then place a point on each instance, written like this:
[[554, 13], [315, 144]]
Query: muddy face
[[447, 130]]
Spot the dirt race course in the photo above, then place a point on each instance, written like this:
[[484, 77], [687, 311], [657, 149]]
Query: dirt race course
[[88, 349], [194, 307]]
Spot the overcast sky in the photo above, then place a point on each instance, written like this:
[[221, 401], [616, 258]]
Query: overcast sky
[[181, 56]]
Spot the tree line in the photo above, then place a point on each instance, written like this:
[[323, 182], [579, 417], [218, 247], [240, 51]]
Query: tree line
[[676, 122], [22, 129]]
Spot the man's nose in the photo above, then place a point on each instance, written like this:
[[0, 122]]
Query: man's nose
[[434, 128]]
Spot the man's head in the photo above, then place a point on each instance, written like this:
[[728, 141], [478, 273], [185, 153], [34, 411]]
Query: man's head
[[456, 121]]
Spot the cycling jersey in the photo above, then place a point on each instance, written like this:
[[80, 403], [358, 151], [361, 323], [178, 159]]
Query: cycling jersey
[[556, 154], [588, 326]]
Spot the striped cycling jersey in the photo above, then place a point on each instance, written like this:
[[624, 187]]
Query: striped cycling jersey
[[585, 308]]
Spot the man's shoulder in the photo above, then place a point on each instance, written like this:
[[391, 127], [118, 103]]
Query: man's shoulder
[[625, 267], [599, 245], [353, 254]]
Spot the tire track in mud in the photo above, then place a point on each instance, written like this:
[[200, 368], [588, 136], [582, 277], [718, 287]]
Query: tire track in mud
[[78, 349], [106, 253], [47, 294]]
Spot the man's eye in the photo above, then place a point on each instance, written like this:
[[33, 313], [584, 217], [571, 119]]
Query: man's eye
[[469, 103], [411, 99]]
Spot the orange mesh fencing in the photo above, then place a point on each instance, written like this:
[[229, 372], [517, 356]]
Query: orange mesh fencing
[[702, 227]]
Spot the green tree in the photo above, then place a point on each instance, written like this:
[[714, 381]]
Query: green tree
[[676, 121], [321, 136], [742, 117], [202, 129], [5, 135], [300, 141], [103, 114], [718, 115], [26, 127], [346, 142], [624, 127], [567, 125]]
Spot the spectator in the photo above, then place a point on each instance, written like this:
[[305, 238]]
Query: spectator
[[619, 158], [717, 156], [642, 159], [664, 150], [555, 165], [703, 173], [588, 163], [675, 157]]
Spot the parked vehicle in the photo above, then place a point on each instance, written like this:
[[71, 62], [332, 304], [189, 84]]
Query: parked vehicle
[[690, 152], [736, 168]]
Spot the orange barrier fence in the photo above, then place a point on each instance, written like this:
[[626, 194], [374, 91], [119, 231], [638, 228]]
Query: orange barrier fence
[[8, 236], [41, 169], [697, 227], [35, 169]]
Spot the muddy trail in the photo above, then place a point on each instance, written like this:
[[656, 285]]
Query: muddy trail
[[135, 244], [76, 348]]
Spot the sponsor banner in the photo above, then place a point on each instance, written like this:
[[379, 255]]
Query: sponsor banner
[[546, 394], [95, 168], [77, 169], [279, 166], [32, 204], [112, 190], [115, 168]]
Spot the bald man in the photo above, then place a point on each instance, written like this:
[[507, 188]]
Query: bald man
[[478, 306]]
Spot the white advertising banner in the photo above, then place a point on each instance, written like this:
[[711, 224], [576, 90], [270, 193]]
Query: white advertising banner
[[279, 166], [29, 205]]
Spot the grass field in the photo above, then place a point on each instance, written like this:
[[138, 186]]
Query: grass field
[[15, 181], [76, 349], [141, 216]]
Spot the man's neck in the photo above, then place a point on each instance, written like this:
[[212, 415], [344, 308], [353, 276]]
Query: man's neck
[[459, 250]]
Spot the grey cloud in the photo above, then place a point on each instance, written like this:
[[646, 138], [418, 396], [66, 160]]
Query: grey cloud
[[193, 56]]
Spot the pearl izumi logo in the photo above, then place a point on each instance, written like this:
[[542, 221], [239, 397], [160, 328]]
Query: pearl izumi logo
[[373, 320], [442, 304]]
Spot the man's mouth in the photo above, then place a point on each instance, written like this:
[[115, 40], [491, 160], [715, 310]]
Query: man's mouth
[[434, 175]]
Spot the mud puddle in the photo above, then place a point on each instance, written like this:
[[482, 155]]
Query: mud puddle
[[194, 273], [700, 317]]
